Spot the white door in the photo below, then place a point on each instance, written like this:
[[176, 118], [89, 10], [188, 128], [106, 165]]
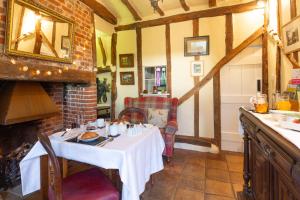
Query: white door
[[239, 80]]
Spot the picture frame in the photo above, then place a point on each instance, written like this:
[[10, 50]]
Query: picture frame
[[197, 68], [196, 46], [127, 78], [126, 60], [65, 43], [291, 36]]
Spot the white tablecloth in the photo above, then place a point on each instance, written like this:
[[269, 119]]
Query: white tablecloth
[[136, 158]]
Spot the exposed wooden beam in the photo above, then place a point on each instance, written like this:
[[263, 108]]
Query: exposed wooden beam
[[184, 5], [293, 8], [258, 33], [212, 3], [9, 71], [160, 11], [219, 11], [38, 37], [113, 74], [104, 59], [139, 59], [53, 34], [206, 142], [49, 44], [169, 60], [101, 11], [265, 69], [196, 80], [278, 50], [131, 10]]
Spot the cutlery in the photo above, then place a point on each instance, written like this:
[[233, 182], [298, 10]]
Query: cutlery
[[105, 142], [62, 135]]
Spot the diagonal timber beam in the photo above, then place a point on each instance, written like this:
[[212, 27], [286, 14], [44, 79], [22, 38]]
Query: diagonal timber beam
[[213, 12], [101, 11], [131, 10], [258, 33], [160, 11], [184, 5]]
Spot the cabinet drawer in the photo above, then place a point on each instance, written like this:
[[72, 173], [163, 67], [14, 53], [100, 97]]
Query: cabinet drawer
[[276, 155]]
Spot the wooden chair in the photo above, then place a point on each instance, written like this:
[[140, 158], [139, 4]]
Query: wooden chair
[[127, 112], [91, 184]]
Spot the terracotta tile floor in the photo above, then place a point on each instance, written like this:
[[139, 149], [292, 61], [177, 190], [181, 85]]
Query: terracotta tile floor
[[190, 176], [194, 175]]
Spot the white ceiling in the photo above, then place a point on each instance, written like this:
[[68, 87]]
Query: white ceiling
[[145, 10]]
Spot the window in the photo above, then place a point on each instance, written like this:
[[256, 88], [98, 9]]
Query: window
[[155, 76]]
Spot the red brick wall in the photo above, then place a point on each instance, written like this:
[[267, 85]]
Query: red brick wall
[[67, 97]]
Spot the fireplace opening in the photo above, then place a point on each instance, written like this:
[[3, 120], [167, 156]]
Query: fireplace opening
[[15, 142]]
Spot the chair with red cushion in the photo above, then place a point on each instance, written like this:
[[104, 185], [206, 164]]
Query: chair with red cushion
[[91, 184]]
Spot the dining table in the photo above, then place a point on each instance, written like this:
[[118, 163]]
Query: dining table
[[136, 157]]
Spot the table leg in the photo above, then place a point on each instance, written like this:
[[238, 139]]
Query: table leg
[[65, 167], [44, 176]]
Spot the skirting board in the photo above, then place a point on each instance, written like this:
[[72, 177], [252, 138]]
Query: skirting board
[[232, 141], [213, 149]]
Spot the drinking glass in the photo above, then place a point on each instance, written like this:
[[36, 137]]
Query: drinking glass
[[261, 103], [283, 102]]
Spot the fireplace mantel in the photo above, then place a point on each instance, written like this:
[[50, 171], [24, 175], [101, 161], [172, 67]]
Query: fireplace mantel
[[43, 73]]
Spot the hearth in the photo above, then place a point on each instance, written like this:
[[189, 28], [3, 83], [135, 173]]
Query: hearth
[[15, 142]]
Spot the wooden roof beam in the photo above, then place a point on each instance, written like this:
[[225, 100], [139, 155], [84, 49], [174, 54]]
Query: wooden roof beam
[[131, 10], [160, 11], [184, 5], [212, 3], [101, 11], [213, 12]]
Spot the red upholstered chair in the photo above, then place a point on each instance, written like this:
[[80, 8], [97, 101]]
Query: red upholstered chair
[[171, 104], [91, 184]]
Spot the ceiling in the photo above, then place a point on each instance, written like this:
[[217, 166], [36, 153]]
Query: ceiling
[[145, 10]]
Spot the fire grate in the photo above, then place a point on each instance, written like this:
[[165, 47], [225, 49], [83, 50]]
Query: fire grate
[[9, 166]]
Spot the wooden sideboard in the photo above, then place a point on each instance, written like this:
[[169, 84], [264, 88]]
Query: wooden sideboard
[[271, 163]]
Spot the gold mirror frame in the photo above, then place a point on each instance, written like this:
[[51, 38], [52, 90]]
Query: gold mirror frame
[[35, 6]]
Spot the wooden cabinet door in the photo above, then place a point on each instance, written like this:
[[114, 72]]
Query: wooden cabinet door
[[260, 175]]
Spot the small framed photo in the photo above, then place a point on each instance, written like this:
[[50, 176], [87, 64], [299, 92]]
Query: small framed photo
[[196, 46], [126, 60], [127, 78], [197, 68], [65, 43], [291, 36]]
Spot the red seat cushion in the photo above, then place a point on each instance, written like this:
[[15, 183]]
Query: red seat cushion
[[91, 184]]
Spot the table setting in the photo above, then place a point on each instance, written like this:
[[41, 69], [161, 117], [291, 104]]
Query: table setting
[[134, 149]]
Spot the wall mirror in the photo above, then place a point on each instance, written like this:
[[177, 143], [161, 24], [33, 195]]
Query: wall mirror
[[37, 32]]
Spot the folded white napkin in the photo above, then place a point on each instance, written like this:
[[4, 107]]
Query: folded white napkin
[[71, 133]]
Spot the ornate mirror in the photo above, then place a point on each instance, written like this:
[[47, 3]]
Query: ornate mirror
[[37, 32]]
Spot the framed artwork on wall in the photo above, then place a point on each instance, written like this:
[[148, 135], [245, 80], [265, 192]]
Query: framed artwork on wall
[[196, 46], [127, 78], [126, 60], [197, 68], [291, 36]]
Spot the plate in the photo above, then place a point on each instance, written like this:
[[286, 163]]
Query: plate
[[88, 140]]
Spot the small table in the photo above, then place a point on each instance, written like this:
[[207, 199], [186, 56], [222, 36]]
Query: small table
[[136, 158]]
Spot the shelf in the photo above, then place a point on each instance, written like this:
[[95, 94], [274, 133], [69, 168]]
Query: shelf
[[155, 95]]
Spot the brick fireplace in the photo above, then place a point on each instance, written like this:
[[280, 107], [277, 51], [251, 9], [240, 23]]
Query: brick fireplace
[[74, 100]]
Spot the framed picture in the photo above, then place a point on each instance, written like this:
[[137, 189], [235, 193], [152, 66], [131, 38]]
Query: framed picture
[[197, 68], [65, 43], [290, 35], [126, 60], [196, 46], [127, 78]]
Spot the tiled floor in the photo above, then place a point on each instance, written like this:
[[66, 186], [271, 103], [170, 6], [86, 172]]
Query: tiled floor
[[191, 176], [198, 176]]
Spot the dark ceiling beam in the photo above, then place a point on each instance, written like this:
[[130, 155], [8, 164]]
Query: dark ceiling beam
[[184, 5], [101, 11], [212, 3], [132, 10], [213, 12], [160, 11]]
